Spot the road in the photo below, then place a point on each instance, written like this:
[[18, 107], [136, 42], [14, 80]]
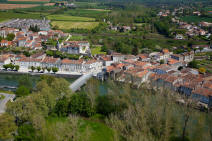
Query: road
[[4, 101]]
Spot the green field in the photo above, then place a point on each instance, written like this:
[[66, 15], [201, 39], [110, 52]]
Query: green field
[[97, 131], [12, 15], [97, 50], [196, 19], [74, 25], [69, 18]]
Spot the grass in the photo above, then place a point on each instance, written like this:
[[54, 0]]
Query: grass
[[97, 50], [87, 13], [74, 25], [97, 131], [2, 97], [77, 38], [12, 15], [69, 18], [196, 19]]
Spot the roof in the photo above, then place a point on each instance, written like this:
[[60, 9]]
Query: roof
[[28, 59], [165, 51], [68, 61], [91, 61], [50, 60], [203, 91], [142, 56]]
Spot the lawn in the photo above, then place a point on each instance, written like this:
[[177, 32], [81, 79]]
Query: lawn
[[196, 19], [11, 15], [69, 18], [97, 50], [74, 25], [77, 38], [97, 131]]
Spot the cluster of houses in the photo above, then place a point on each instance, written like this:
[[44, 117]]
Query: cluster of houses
[[24, 24], [28, 39], [65, 66], [120, 28], [75, 47], [194, 30], [172, 74]]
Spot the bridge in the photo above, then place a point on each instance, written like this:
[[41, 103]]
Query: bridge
[[80, 82]]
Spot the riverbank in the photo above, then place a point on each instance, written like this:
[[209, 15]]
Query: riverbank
[[38, 74]]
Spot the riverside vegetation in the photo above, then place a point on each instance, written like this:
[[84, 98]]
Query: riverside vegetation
[[52, 112]]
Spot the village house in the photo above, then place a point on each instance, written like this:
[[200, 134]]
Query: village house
[[203, 96], [5, 43], [76, 47], [27, 62], [50, 62], [4, 59], [71, 65]]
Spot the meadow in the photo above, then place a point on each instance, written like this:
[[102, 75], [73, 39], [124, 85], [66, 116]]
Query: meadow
[[15, 6], [196, 19], [66, 22], [4, 16], [97, 131], [69, 18], [74, 25], [97, 50], [30, 0]]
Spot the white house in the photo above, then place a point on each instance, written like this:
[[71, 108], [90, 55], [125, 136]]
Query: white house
[[76, 47]]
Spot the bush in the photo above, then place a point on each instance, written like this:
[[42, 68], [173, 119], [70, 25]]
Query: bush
[[81, 104], [61, 108], [107, 104], [22, 91], [25, 133]]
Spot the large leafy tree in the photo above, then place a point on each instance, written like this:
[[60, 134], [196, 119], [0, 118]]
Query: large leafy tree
[[7, 126]]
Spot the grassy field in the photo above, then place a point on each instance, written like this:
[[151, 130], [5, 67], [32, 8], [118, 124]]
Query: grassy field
[[97, 131], [30, 0], [15, 6], [97, 50], [74, 25], [77, 38], [72, 22], [87, 13], [69, 18], [10, 15], [196, 19]]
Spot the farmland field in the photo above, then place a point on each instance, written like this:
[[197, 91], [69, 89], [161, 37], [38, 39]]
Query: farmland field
[[69, 18], [15, 6], [74, 25], [196, 19], [31, 0], [12, 15]]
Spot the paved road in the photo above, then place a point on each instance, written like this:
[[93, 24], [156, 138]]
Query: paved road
[[4, 101]]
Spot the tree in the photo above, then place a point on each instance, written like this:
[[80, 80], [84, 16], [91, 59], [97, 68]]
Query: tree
[[7, 126], [43, 69], [22, 91], [32, 68], [61, 108], [11, 66], [49, 69], [162, 61], [135, 51], [26, 132], [80, 104], [10, 36], [201, 48], [38, 68], [193, 64], [5, 66], [17, 67], [202, 70], [54, 69]]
